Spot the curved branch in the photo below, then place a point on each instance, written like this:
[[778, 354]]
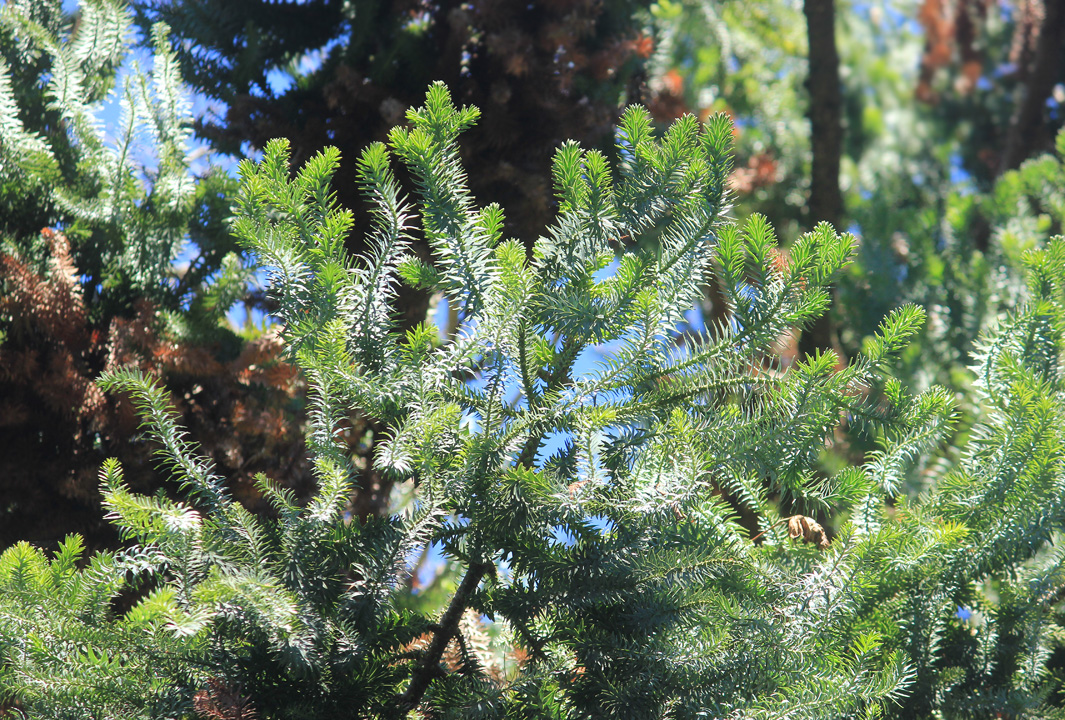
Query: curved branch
[[429, 667]]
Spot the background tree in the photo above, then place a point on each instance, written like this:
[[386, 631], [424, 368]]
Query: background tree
[[93, 221], [343, 73], [996, 67], [928, 94], [825, 110]]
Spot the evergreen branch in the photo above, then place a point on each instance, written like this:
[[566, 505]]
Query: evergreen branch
[[195, 474], [429, 667], [631, 574]]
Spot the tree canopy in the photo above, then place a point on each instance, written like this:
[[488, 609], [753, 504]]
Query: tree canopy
[[678, 360]]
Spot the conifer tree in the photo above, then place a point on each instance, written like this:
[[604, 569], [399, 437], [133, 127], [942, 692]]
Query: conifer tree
[[92, 223], [343, 72], [593, 514]]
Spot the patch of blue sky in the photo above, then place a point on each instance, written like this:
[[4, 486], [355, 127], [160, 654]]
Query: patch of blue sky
[[960, 178], [478, 383], [587, 362], [694, 319], [1004, 69], [736, 326], [280, 80], [508, 392], [624, 145], [748, 293], [467, 324], [601, 523], [251, 152], [508, 389], [240, 315], [512, 393], [440, 317], [561, 535], [606, 272], [901, 20], [470, 421], [1055, 101], [598, 524], [552, 443], [591, 369], [428, 568]]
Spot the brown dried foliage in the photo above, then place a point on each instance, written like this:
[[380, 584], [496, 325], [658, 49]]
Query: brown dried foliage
[[951, 37], [666, 101], [953, 41], [219, 701], [801, 526], [761, 171], [57, 427]]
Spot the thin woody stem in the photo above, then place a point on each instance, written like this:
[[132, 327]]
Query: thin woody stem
[[781, 521], [448, 626]]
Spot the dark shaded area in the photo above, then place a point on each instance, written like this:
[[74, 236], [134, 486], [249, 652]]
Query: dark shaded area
[[541, 73], [1027, 131]]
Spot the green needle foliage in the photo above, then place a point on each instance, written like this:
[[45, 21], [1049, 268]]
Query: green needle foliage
[[126, 203], [646, 538], [115, 250]]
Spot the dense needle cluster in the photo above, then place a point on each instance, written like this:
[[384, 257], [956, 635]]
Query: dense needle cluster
[[642, 536]]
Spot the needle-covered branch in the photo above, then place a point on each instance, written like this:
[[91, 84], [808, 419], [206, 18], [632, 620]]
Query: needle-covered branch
[[642, 524]]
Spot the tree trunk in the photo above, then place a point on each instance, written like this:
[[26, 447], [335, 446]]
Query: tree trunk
[[826, 133], [1026, 123]]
